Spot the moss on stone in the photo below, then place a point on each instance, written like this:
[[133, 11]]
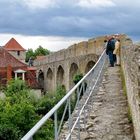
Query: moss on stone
[[125, 93], [123, 82]]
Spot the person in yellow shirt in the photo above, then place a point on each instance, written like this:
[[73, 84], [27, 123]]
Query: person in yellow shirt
[[117, 52]]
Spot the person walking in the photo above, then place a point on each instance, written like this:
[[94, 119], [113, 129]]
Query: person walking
[[114, 41], [117, 52], [109, 50]]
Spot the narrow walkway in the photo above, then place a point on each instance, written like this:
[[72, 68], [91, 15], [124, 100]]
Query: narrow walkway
[[109, 117]]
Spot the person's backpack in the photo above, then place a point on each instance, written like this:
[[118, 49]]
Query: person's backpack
[[111, 45]]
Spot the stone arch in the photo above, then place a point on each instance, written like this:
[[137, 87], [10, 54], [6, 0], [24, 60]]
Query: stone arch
[[41, 79], [60, 76], [73, 71], [49, 80], [89, 65]]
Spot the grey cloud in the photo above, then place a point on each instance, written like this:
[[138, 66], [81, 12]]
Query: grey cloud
[[68, 20]]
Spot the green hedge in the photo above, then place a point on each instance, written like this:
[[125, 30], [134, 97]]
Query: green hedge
[[19, 112]]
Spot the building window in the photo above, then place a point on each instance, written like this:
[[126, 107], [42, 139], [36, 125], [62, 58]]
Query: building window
[[18, 53]]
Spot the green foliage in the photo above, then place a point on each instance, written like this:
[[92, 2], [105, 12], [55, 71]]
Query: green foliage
[[77, 78], [44, 105], [15, 86], [19, 112], [29, 53], [60, 92], [16, 118], [41, 51], [33, 54], [2, 87], [46, 132], [50, 100]]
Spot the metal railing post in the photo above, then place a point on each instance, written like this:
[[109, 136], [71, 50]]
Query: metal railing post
[[55, 125], [70, 116], [78, 113], [84, 120]]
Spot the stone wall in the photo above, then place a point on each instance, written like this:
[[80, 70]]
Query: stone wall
[[130, 61], [20, 57], [81, 62], [92, 46], [78, 56]]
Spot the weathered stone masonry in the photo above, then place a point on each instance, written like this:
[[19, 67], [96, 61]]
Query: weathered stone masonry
[[60, 67], [130, 61]]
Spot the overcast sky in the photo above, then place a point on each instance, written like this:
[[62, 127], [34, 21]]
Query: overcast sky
[[57, 24]]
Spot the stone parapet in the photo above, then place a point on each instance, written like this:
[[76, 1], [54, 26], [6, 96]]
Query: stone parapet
[[130, 61], [92, 46]]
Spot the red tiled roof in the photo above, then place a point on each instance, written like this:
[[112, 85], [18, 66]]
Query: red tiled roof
[[31, 68], [13, 45], [7, 59]]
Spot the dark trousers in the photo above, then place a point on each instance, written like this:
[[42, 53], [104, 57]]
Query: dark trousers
[[114, 57], [111, 58]]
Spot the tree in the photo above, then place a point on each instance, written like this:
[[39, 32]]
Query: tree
[[41, 51], [33, 54], [50, 100], [77, 78], [29, 54], [18, 114], [16, 118]]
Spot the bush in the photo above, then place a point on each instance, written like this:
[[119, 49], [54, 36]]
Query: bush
[[77, 78], [46, 132], [50, 100], [16, 119], [17, 112], [15, 86]]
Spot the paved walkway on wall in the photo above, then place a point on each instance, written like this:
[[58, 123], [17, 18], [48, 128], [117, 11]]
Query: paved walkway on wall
[[109, 117]]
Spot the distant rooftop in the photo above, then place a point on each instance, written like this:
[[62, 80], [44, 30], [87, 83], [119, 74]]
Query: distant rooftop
[[7, 59], [40, 57], [13, 45]]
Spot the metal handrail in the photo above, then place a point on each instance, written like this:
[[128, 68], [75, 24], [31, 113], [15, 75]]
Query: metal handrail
[[67, 99]]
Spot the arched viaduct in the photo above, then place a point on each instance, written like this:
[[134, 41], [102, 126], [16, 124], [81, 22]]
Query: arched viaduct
[[60, 67]]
